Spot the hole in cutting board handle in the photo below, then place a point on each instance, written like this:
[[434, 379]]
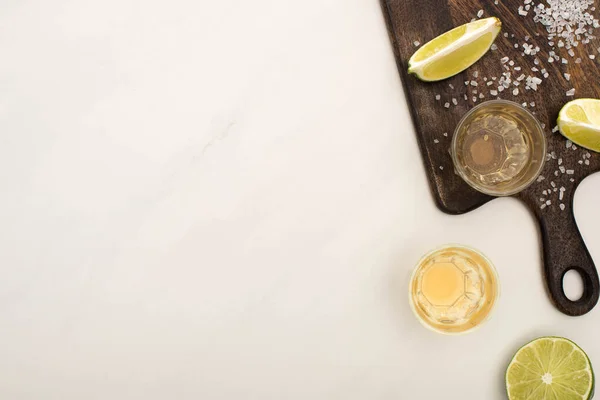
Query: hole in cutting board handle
[[573, 284]]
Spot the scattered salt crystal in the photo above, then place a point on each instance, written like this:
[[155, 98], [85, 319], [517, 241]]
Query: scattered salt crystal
[[570, 172], [580, 162], [587, 154], [567, 76], [489, 83], [555, 173], [562, 206], [445, 134], [454, 101], [451, 86], [561, 194], [550, 59], [447, 105], [592, 56], [560, 161], [545, 193], [574, 147], [473, 83], [517, 68], [571, 52], [578, 61], [553, 184], [466, 97], [511, 63], [436, 141], [416, 43], [540, 178], [562, 169], [504, 59], [494, 92], [494, 47], [587, 162], [564, 61], [532, 104], [515, 92], [555, 129], [572, 180], [570, 92], [479, 13], [548, 202], [475, 74], [524, 104], [481, 96], [474, 99], [441, 167], [437, 97], [543, 206], [569, 144]]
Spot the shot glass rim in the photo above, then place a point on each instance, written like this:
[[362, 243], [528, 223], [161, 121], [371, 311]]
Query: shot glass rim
[[492, 268], [460, 170]]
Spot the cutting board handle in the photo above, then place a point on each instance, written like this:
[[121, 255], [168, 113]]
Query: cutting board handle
[[565, 250]]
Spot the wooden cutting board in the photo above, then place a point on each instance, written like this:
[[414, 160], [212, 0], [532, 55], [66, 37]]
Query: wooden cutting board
[[414, 22]]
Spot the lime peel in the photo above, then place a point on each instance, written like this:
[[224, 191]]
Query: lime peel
[[550, 368], [455, 50]]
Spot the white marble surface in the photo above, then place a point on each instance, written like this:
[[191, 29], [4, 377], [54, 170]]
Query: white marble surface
[[224, 200]]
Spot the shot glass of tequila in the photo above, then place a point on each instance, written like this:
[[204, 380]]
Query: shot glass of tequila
[[498, 148], [453, 289]]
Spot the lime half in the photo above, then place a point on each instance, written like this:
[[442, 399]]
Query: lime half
[[455, 50], [579, 121], [550, 368]]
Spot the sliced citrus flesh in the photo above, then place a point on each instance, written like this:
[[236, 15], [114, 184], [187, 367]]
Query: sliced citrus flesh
[[579, 121], [550, 368], [455, 50]]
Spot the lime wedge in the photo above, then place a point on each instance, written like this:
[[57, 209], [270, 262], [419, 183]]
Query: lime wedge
[[579, 121], [550, 368], [455, 50]]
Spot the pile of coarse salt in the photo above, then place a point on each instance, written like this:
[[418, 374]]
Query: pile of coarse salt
[[568, 22]]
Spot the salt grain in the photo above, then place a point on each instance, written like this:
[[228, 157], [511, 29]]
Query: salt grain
[[416, 43], [570, 92], [562, 206], [479, 13], [447, 105], [437, 97]]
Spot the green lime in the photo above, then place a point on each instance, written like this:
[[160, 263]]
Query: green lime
[[550, 368]]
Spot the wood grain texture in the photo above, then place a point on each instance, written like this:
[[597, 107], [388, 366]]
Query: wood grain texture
[[422, 20]]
